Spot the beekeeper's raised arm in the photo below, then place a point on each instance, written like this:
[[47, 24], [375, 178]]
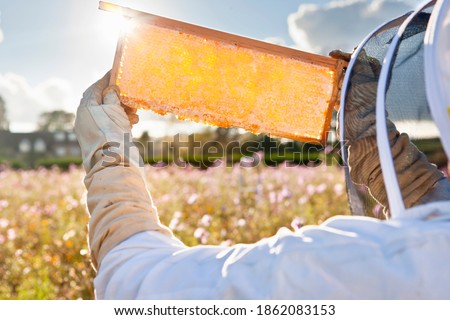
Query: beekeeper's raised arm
[[118, 200], [419, 180]]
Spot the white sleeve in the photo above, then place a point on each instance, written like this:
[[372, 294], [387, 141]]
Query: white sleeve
[[345, 258], [117, 196]]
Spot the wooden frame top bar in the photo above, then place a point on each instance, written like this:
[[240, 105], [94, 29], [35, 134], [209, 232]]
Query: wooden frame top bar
[[221, 36]]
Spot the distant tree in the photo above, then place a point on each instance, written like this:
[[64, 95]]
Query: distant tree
[[4, 123], [57, 120], [144, 138], [141, 143], [225, 135]]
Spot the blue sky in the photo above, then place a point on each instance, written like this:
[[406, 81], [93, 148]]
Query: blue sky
[[51, 51]]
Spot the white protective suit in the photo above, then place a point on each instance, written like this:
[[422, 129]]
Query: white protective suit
[[407, 257]]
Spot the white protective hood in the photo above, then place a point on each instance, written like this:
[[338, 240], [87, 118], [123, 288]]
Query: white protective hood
[[437, 69], [413, 90]]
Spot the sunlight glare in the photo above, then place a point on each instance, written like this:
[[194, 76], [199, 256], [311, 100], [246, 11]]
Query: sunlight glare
[[111, 26]]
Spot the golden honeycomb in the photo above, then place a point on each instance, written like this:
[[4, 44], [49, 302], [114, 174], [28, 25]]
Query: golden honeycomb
[[213, 80]]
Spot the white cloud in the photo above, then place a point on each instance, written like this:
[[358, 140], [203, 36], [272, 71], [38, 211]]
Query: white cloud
[[276, 40], [24, 103], [341, 24]]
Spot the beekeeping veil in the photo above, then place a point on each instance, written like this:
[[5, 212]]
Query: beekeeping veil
[[397, 82]]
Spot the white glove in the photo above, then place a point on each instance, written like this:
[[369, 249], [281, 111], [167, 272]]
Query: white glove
[[118, 200]]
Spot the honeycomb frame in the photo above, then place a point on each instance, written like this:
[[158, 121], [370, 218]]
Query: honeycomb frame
[[266, 97]]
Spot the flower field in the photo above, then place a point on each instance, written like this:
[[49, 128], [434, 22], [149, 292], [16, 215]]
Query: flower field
[[43, 246]]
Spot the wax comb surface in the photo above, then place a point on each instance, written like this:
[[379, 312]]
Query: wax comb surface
[[224, 80]]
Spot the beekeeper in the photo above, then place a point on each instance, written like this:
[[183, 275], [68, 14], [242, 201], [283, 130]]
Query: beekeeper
[[405, 257]]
